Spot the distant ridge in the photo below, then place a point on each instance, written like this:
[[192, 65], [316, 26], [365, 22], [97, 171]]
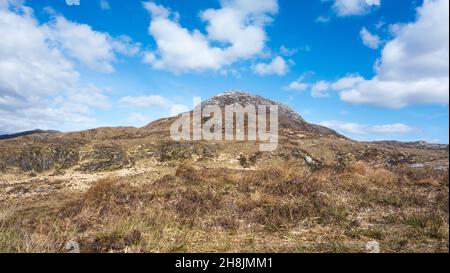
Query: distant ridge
[[27, 133]]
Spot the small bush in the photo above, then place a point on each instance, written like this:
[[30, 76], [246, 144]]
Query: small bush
[[192, 202], [243, 161], [187, 173]]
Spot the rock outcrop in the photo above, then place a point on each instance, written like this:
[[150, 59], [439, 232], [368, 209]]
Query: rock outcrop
[[105, 158]]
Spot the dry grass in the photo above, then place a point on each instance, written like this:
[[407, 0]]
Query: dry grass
[[282, 207]]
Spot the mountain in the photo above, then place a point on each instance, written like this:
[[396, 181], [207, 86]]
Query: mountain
[[126, 189], [112, 148], [27, 133]]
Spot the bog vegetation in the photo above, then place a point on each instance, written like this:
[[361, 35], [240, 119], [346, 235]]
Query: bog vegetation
[[281, 207]]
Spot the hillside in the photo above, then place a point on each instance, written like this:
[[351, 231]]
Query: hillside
[[134, 189]]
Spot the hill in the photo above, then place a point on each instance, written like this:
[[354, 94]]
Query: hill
[[125, 189], [27, 133]]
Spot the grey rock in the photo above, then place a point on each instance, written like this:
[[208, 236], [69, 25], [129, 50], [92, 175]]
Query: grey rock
[[72, 247], [417, 166], [373, 247], [309, 160]]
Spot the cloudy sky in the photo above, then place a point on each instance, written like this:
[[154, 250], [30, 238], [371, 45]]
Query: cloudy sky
[[371, 69]]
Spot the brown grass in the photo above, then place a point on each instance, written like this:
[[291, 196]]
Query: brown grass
[[281, 207]]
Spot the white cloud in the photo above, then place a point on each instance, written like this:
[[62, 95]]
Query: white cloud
[[125, 45], [354, 7], [145, 101], [149, 57], [323, 19], [177, 109], [39, 85], [344, 127], [96, 50], [277, 66], [413, 68], [288, 52], [91, 48], [347, 82], [91, 96], [179, 49], [29, 67], [236, 30], [297, 86], [104, 4], [398, 93], [320, 89], [300, 84], [151, 101], [392, 129], [361, 129], [370, 40], [73, 2]]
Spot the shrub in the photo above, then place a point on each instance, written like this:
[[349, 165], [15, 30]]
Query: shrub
[[187, 172]]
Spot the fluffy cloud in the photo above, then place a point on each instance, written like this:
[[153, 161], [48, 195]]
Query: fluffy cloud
[[300, 84], [125, 45], [233, 32], [319, 89], [277, 66], [151, 101], [361, 129], [29, 66], [178, 48], [94, 49], [370, 40], [145, 101], [354, 7], [39, 85], [413, 68], [91, 48], [392, 129], [73, 2], [297, 86]]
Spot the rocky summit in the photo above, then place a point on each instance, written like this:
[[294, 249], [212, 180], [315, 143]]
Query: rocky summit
[[288, 118]]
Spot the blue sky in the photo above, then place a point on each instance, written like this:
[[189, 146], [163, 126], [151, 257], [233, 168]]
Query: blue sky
[[371, 69]]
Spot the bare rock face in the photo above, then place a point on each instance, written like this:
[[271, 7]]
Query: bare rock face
[[288, 118]]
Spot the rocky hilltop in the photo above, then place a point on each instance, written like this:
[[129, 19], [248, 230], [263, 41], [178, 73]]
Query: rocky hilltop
[[288, 118]]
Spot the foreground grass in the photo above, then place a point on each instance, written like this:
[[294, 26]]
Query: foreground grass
[[280, 208]]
